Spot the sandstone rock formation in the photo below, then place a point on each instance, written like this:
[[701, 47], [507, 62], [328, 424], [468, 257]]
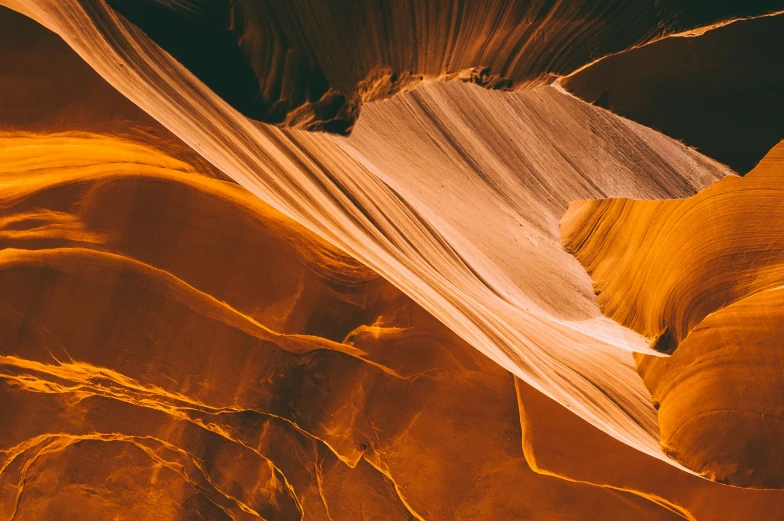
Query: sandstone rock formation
[[46, 87], [160, 387], [310, 64], [344, 198], [205, 316], [701, 278]]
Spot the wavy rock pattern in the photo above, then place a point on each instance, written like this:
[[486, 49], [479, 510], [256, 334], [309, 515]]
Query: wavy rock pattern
[[206, 317], [310, 64], [118, 348], [690, 276], [581, 360], [558, 443]]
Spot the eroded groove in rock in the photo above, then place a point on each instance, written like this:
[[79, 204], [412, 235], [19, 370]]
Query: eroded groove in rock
[[700, 278], [561, 444], [707, 420], [310, 64], [719, 91], [629, 249]]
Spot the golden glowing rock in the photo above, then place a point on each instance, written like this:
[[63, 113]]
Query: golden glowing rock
[[700, 277], [449, 258], [206, 317], [126, 364], [661, 267]]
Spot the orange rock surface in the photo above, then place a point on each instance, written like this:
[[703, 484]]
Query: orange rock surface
[[311, 63], [161, 387], [701, 278], [209, 313]]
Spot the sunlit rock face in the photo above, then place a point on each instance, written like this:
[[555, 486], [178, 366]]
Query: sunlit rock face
[[209, 314], [701, 278]]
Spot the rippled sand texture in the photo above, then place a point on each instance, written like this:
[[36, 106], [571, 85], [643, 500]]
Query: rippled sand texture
[[205, 316]]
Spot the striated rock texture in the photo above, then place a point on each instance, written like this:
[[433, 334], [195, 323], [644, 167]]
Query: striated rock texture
[[310, 64], [720, 91], [453, 266], [204, 316], [701, 278], [138, 382]]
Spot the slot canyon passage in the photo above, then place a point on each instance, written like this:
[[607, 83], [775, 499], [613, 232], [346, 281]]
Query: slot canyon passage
[[391, 260]]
